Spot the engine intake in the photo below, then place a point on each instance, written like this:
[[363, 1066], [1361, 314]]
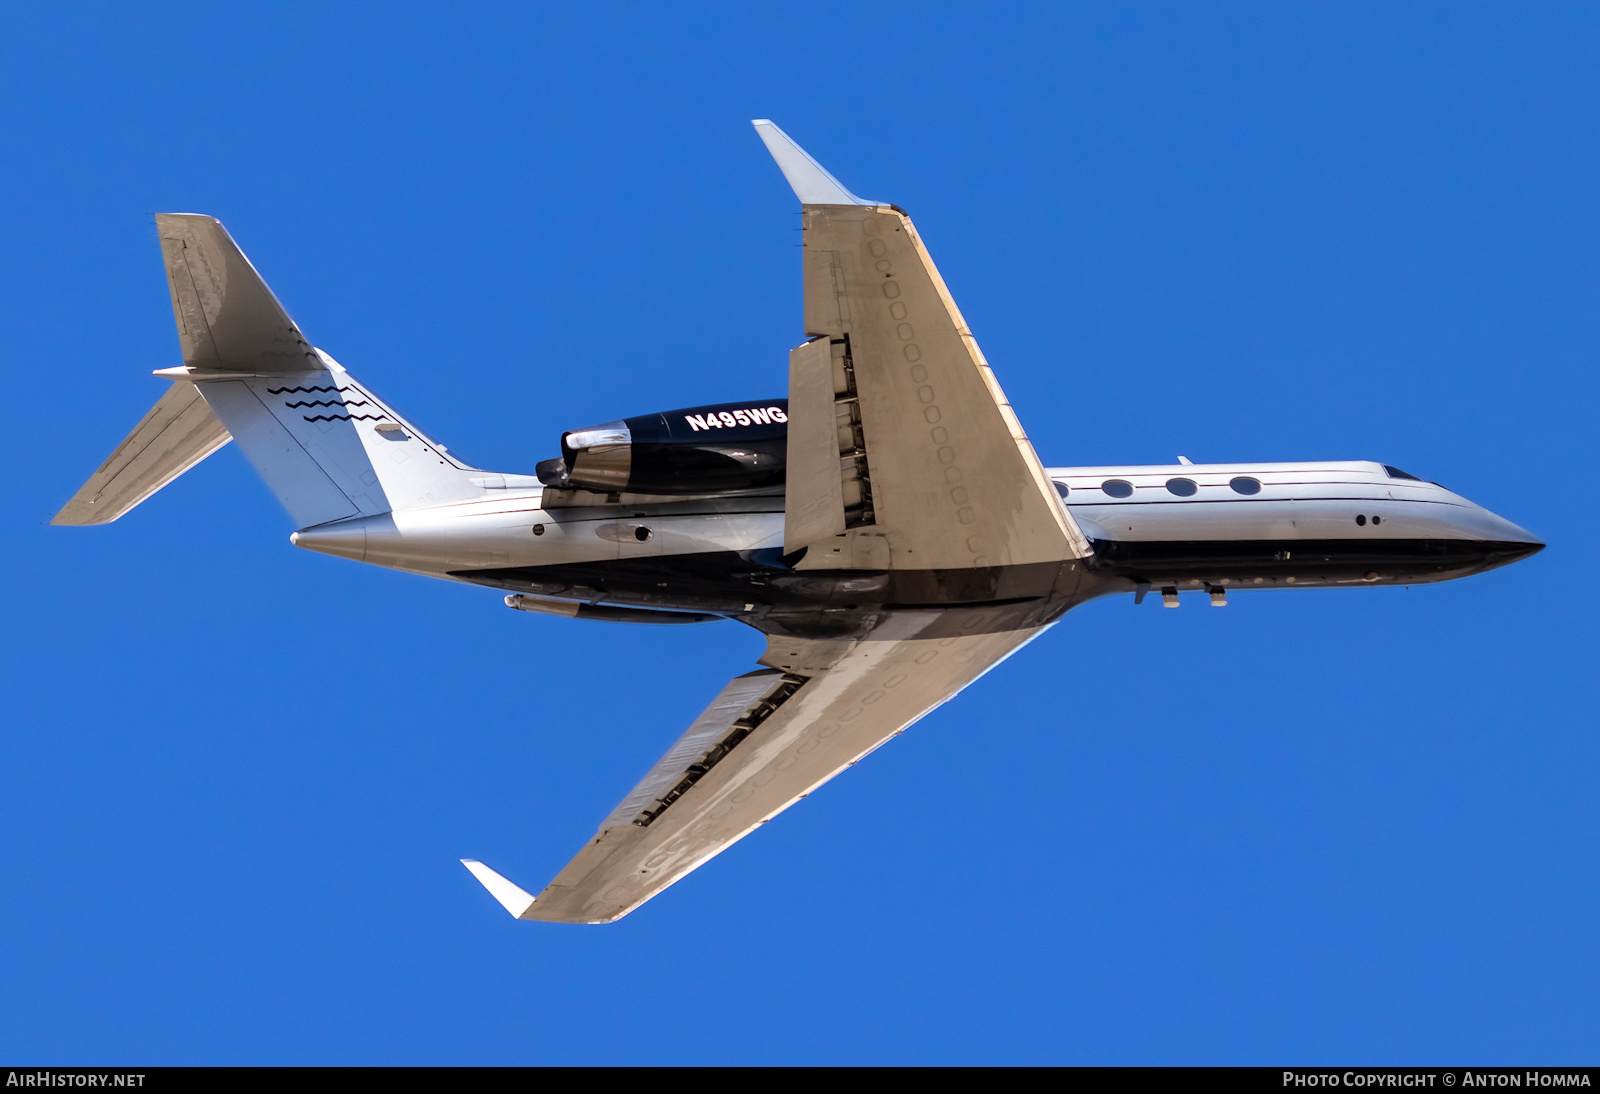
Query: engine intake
[[702, 450]]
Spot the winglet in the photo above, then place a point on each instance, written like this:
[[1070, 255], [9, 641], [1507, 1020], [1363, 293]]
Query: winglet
[[513, 898], [811, 182]]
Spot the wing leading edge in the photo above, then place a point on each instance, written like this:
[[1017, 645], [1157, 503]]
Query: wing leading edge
[[769, 739], [937, 470], [904, 456]]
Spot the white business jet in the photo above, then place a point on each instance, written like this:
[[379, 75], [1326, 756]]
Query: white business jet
[[888, 526]]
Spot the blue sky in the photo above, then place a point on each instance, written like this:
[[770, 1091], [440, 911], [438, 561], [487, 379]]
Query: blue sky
[[1317, 827]]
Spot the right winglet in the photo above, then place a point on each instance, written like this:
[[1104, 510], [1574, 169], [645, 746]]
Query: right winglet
[[812, 183], [511, 896]]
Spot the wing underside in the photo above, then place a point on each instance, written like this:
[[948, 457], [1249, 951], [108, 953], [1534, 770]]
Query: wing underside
[[769, 739], [905, 459], [893, 393]]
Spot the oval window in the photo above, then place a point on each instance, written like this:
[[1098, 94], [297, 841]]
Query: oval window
[[1244, 484], [1184, 488], [1061, 488], [1117, 488]]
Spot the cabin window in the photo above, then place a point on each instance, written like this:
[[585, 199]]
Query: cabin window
[[1244, 484], [1061, 488], [1396, 473], [1117, 488], [1184, 488], [1361, 520]]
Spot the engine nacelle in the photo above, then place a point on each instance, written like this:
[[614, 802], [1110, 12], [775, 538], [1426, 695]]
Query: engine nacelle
[[701, 450]]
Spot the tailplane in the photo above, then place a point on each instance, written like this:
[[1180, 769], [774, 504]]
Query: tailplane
[[177, 433], [326, 446]]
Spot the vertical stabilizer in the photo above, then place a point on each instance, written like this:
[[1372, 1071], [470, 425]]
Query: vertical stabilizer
[[326, 446], [331, 449]]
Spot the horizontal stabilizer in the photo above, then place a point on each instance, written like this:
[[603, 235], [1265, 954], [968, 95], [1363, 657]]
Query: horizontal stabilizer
[[178, 433], [227, 316], [511, 896]]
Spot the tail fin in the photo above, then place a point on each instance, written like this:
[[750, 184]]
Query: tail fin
[[326, 446], [331, 449]]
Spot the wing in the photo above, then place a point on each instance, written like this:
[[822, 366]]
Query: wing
[[177, 433], [769, 739], [904, 457], [932, 459]]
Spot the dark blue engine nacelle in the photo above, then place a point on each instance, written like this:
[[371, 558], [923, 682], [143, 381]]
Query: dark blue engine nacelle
[[702, 450]]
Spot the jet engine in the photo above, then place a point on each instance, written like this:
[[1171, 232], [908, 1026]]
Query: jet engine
[[702, 450]]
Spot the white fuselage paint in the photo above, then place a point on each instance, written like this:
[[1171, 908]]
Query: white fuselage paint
[[1320, 501], [1297, 501]]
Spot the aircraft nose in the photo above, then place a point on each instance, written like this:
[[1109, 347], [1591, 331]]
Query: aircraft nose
[[1511, 542], [1517, 551], [1511, 533]]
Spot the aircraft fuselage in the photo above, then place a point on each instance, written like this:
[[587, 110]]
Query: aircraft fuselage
[[1170, 528]]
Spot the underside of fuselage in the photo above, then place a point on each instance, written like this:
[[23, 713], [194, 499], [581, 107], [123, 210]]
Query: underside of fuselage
[[1213, 528], [764, 589]]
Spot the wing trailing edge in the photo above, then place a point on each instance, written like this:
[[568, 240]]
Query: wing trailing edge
[[935, 469], [769, 739]]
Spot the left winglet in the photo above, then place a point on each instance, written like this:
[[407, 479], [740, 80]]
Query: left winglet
[[812, 183], [511, 896]]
